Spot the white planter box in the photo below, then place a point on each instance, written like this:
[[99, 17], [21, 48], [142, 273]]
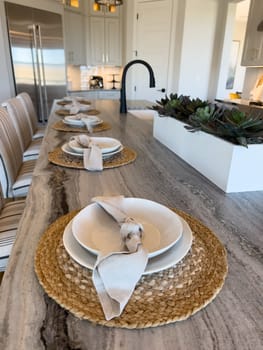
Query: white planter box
[[231, 167]]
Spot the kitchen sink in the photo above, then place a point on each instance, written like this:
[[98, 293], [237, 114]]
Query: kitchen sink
[[146, 114]]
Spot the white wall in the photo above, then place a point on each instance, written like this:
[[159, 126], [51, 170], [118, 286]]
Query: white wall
[[201, 37], [197, 47]]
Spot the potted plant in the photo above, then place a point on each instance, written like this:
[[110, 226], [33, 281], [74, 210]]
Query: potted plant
[[211, 138]]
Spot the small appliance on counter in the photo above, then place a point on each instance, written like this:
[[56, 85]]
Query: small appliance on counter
[[96, 82]]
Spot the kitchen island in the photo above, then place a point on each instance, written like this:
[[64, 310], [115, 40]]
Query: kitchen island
[[29, 319]]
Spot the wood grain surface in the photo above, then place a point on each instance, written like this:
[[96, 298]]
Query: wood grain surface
[[31, 320]]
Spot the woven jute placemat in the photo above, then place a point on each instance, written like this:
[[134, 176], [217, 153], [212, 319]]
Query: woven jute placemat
[[64, 103], [61, 126], [58, 157], [158, 299], [64, 112]]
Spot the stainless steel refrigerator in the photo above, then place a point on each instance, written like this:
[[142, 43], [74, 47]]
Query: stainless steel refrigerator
[[37, 53]]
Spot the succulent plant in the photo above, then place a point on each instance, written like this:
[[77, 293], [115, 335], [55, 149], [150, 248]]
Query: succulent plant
[[230, 124], [178, 106]]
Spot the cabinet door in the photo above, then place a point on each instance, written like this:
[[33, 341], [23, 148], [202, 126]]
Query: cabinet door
[[74, 38], [104, 10], [253, 47], [112, 42], [109, 95], [97, 38], [105, 41], [93, 95]]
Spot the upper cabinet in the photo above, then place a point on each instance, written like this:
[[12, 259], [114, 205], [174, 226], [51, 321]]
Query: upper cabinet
[[253, 47], [105, 36], [105, 42], [101, 11], [74, 37]]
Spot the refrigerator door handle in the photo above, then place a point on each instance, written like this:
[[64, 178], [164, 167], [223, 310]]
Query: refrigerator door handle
[[36, 68], [38, 27]]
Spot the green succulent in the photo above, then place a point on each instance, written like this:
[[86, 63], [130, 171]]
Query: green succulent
[[230, 124], [178, 106]]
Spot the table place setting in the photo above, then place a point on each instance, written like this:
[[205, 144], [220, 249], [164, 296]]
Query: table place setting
[[130, 263], [75, 106], [67, 100], [81, 122], [92, 153]]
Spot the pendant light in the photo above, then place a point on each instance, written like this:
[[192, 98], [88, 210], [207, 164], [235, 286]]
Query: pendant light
[[111, 4]]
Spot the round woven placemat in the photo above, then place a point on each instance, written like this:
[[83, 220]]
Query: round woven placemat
[[160, 298], [58, 157], [67, 102], [60, 126], [64, 112]]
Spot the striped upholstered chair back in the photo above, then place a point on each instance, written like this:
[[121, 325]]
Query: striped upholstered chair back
[[37, 131], [16, 111], [10, 214], [19, 117], [15, 174]]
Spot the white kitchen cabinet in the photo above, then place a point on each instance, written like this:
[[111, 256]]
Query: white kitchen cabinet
[[98, 94], [74, 38], [253, 46], [104, 11], [109, 95], [105, 41]]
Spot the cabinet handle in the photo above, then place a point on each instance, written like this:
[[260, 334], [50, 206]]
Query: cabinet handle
[[103, 58], [107, 58], [161, 90]]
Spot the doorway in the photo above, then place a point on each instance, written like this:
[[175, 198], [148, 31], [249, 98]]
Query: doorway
[[153, 39]]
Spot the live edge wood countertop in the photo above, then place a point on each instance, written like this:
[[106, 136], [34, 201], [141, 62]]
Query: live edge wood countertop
[[29, 319]]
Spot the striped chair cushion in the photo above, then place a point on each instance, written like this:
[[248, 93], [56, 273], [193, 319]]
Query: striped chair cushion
[[37, 131], [32, 151], [2, 200], [23, 181], [9, 220], [18, 174], [23, 126]]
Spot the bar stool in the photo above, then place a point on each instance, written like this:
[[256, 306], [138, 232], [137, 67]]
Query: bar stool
[[15, 174], [38, 131], [10, 214], [18, 115]]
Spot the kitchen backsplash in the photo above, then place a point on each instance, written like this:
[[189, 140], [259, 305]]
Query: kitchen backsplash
[[78, 76]]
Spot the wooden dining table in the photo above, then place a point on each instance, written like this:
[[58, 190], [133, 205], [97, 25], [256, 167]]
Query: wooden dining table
[[31, 319]]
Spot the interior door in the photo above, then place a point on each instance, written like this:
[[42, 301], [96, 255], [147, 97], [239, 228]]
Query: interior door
[[153, 35]]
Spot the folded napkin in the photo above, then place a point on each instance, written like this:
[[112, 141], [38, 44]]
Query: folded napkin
[[87, 120], [116, 274], [92, 154], [73, 107]]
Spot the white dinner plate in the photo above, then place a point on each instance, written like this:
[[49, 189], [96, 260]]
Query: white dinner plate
[[106, 144], [84, 107], [66, 149], [73, 120], [96, 230], [161, 262]]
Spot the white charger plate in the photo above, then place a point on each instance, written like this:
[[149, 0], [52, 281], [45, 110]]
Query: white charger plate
[[72, 120], [97, 231], [106, 144], [66, 149], [161, 262]]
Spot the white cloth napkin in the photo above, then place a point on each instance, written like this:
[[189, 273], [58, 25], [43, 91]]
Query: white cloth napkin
[[73, 107], [116, 274], [87, 120], [92, 154]]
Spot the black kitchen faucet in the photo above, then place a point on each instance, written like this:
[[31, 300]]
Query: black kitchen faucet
[[123, 106]]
